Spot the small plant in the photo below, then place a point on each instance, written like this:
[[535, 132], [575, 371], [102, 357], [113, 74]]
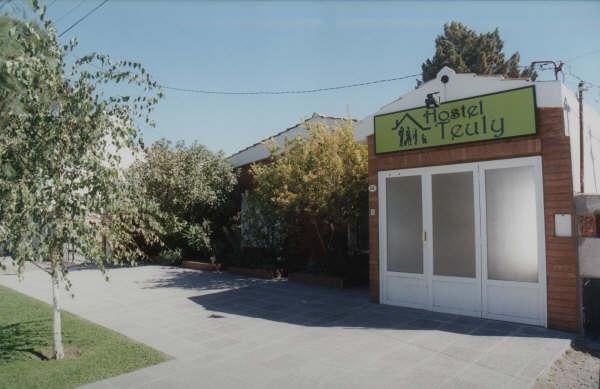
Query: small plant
[[197, 237], [171, 256]]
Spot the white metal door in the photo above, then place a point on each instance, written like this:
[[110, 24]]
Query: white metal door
[[403, 265], [513, 240], [453, 224], [451, 243]]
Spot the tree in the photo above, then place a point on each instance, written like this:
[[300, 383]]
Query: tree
[[466, 51], [61, 184], [192, 184], [321, 179], [10, 50]]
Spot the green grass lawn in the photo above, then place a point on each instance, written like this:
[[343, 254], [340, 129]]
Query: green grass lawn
[[26, 336]]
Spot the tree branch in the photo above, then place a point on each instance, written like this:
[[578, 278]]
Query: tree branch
[[40, 267]]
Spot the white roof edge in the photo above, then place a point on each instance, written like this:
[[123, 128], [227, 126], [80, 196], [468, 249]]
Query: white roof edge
[[258, 151], [460, 86]]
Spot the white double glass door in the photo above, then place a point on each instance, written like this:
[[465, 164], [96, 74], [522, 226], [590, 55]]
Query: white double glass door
[[466, 239]]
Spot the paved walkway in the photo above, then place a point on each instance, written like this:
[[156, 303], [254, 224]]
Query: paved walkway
[[231, 332]]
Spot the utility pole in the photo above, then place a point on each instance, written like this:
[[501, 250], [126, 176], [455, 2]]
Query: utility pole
[[580, 89]]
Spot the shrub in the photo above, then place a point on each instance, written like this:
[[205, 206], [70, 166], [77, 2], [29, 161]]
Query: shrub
[[171, 256], [315, 188], [198, 238], [193, 186]]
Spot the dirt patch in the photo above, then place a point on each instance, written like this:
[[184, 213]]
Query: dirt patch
[[579, 367]]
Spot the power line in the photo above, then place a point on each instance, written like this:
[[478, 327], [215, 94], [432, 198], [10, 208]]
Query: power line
[[70, 11], [82, 18], [4, 4], [288, 92], [51, 4], [570, 73], [583, 55]]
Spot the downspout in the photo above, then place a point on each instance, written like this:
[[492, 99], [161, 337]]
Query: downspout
[[580, 89]]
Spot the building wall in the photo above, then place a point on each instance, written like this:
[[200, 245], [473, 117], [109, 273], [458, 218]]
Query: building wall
[[554, 147], [591, 141]]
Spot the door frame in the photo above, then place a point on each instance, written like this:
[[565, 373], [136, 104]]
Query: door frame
[[477, 280], [478, 169], [383, 272], [536, 164]]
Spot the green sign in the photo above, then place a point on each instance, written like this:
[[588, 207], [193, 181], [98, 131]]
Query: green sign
[[495, 116]]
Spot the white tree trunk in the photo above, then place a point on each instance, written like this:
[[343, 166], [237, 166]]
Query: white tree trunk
[[59, 352]]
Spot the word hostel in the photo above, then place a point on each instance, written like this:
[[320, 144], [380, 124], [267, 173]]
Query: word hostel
[[471, 199]]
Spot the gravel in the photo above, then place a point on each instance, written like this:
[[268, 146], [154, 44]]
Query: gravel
[[578, 368]]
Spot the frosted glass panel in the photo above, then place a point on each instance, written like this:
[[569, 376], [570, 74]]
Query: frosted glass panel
[[404, 224], [453, 224], [512, 247]]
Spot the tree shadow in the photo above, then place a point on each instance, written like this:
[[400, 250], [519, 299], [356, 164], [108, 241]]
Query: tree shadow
[[198, 280], [297, 304], [24, 340], [587, 345], [224, 294]]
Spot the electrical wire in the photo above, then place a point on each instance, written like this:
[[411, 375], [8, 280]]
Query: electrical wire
[[583, 55], [575, 76], [70, 11], [4, 4], [81, 19], [288, 92]]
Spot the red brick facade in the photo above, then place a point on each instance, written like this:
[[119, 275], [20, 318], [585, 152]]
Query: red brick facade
[[554, 147]]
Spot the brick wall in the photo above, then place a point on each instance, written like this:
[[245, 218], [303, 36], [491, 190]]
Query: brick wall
[[561, 253], [554, 147]]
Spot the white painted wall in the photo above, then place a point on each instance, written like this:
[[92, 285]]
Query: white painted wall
[[591, 141], [463, 85], [591, 145], [548, 94]]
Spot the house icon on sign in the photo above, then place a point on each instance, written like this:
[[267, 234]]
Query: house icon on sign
[[409, 130]]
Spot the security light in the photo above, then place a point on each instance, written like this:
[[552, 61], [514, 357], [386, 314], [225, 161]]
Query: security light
[[431, 101]]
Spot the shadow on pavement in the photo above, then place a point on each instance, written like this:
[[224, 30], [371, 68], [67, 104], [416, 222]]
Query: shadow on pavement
[[297, 304]]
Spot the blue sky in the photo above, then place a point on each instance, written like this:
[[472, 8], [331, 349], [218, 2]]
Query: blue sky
[[304, 45]]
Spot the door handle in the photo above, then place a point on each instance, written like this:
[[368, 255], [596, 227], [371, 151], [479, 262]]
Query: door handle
[[424, 236]]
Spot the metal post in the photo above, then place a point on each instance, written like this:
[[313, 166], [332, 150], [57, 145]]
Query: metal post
[[580, 89]]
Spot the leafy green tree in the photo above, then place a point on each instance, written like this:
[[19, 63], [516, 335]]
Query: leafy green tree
[[466, 51], [322, 180], [61, 183], [11, 50], [193, 185]]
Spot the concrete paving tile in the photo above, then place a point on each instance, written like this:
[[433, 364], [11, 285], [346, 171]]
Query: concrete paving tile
[[404, 358], [532, 369], [436, 342], [447, 365], [482, 343], [427, 377], [294, 381], [226, 331], [358, 380], [478, 375], [287, 362], [461, 383], [219, 343], [465, 354], [507, 363]]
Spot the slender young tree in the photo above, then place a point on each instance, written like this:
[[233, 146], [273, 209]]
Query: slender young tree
[[61, 180]]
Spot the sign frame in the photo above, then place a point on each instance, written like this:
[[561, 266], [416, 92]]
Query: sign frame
[[429, 148]]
